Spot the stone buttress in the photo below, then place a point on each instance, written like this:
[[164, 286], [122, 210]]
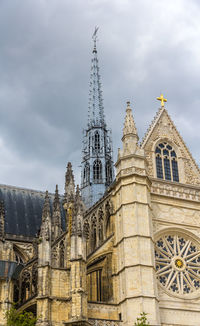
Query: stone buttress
[[135, 272]]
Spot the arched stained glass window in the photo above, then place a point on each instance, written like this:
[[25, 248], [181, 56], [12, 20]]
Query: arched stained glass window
[[97, 171], [166, 162], [96, 141]]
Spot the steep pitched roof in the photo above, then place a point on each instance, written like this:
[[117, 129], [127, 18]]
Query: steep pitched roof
[[151, 127], [23, 210]]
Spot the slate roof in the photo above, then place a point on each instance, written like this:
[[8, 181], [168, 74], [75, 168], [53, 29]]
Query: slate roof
[[23, 210]]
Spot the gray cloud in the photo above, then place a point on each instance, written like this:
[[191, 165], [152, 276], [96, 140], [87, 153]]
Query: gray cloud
[[144, 47]]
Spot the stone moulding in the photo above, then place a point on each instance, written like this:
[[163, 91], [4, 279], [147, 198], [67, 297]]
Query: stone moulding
[[175, 190]]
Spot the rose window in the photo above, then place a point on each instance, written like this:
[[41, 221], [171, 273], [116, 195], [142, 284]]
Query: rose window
[[178, 263]]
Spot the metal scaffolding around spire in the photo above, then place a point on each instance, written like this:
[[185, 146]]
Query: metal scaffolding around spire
[[96, 109]]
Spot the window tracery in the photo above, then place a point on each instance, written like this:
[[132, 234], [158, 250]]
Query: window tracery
[[166, 162], [97, 225], [25, 287], [178, 263], [97, 171]]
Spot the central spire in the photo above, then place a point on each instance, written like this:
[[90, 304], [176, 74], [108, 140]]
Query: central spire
[[96, 109], [97, 163]]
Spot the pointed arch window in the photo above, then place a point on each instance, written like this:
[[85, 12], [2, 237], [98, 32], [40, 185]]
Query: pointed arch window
[[62, 254], [86, 174], [166, 162], [96, 141], [108, 173], [97, 171]]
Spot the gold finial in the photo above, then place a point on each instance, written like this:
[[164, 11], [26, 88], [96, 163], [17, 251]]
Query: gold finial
[[162, 99]]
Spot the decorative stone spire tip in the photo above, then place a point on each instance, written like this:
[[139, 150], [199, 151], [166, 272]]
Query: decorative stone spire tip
[[46, 207], [129, 124]]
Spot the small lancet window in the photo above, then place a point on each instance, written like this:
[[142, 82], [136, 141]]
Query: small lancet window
[[97, 171], [108, 173], [166, 162], [96, 141], [86, 174], [62, 254]]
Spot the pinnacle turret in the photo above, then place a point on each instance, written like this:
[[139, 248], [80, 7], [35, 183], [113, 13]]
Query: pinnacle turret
[[130, 136], [56, 202], [56, 217], [129, 124], [77, 218], [69, 182], [46, 213], [45, 230]]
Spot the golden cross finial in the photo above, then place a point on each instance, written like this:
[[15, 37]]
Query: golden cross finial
[[162, 99]]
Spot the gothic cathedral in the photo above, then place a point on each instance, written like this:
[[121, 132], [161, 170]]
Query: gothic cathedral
[[118, 246]]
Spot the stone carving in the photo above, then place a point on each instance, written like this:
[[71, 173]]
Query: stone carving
[[163, 128], [54, 256], [191, 177], [129, 124], [175, 190], [45, 229], [133, 170], [176, 215], [56, 229], [149, 157], [26, 248], [103, 322]]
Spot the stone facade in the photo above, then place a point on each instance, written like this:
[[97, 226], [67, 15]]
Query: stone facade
[[137, 249]]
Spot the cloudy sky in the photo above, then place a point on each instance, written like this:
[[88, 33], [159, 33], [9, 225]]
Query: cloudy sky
[[145, 47]]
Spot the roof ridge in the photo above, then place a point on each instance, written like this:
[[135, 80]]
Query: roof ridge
[[25, 189], [151, 126]]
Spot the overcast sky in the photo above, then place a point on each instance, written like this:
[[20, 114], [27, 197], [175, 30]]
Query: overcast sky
[[144, 47]]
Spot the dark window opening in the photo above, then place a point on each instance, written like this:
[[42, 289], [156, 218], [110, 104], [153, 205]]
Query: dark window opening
[[175, 171], [159, 167], [62, 254], [97, 171], [167, 169], [108, 173], [94, 283], [166, 162], [96, 141]]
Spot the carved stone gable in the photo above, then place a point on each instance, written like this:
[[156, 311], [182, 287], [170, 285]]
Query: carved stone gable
[[163, 129]]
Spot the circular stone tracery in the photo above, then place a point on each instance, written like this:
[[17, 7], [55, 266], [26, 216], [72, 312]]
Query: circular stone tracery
[[178, 263]]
